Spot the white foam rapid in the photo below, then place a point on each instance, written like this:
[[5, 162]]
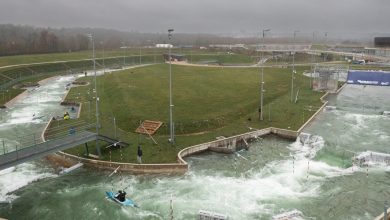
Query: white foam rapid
[[25, 116]]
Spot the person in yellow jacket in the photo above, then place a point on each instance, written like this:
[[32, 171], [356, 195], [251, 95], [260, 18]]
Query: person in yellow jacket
[[66, 116]]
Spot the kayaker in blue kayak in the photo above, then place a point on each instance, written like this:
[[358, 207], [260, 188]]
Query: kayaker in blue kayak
[[121, 195]]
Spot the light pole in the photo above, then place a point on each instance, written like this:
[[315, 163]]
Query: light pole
[[96, 94], [171, 129], [140, 56], [326, 36], [312, 62], [124, 53], [154, 52], [293, 67], [104, 65], [262, 78]]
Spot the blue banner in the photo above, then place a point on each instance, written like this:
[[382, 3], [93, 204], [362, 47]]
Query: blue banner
[[361, 77]]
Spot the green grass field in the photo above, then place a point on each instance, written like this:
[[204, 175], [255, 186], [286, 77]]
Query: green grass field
[[37, 58], [10, 76], [300, 58], [223, 59], [80, 55], [209, 102]]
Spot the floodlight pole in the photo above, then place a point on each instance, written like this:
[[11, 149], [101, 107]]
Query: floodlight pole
[[326, 36], [96, 95], [104, 65], [293, 67], [171, 131], [140, 56], [124, 53], [154, 51], [262, 78], [312, 63]]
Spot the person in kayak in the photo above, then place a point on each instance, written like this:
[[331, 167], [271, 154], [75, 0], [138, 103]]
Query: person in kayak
[[121, 196]]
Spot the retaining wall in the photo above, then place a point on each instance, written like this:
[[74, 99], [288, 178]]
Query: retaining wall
[[173, 168], [320, 109], [227, 145], [230, 144]]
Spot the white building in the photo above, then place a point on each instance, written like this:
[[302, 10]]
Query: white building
[[383, 52], [164, 45], [283, 47]]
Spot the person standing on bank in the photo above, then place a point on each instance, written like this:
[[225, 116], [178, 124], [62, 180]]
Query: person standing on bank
[[139, 154]]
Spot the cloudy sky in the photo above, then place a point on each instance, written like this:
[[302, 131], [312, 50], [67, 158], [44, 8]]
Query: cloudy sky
[[203, 16]]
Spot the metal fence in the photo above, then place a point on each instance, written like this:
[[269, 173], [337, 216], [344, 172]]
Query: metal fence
[[17, 143]]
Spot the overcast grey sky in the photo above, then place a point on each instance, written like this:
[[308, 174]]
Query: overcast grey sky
[[205, 16]]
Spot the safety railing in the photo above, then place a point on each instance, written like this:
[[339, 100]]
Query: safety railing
[[17, 143]]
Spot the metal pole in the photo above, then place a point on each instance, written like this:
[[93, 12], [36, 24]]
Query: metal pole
[[191, 54], [312, 63], [89, 110], [124, 53], [154, 52], [262, 78], [293, 71], [114, 128], [326, 36], [3, 146], [171, 208], [172, 136], [104, 65], [140, 56], [385, 212], [96, 96]]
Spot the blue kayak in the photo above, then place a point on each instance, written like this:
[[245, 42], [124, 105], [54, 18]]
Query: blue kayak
[[127, 202]]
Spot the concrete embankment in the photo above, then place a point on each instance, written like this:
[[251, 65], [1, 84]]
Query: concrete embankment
[[320, 109], [226, 145], [381, 216]]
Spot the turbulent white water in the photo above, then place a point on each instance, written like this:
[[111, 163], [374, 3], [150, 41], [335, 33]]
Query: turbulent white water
[[28, 115], [273, 177], [19, 176]]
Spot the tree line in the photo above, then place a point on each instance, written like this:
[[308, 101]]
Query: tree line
[[16, 40], [22, 39]]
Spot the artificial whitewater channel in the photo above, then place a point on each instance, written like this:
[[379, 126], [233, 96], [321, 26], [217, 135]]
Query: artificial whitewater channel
[[315, 178]]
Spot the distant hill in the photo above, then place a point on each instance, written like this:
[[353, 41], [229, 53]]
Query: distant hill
[[20, 39]]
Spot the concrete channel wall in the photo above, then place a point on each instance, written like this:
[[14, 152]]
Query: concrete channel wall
[[231, 144], [226, 145], [173, 168], [325, 103]]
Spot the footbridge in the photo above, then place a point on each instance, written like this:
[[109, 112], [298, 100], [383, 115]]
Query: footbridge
[[14, 153]]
